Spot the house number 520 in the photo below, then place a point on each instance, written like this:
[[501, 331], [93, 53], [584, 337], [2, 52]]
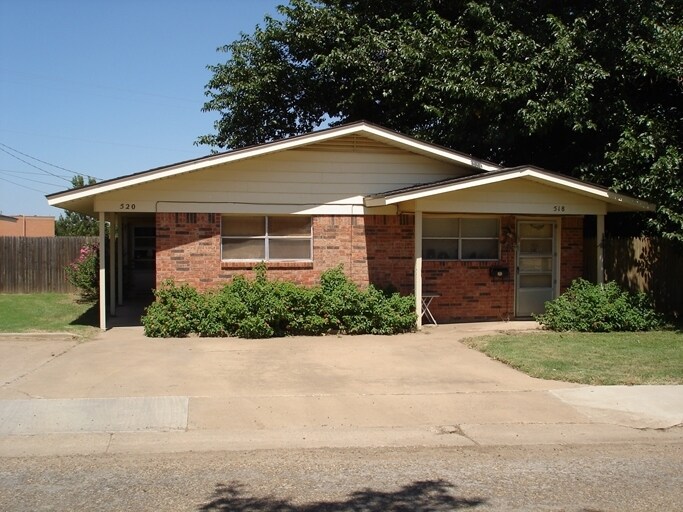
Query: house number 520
[[127, 206]]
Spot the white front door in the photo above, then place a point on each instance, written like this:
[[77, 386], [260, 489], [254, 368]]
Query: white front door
[[536, 266]]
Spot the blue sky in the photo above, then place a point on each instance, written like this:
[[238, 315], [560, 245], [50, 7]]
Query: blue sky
[[105, 88]]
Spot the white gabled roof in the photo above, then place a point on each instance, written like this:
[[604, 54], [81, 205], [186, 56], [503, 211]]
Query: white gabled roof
[[621, 201], [360, 128]]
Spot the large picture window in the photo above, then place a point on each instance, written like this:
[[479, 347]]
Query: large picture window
[[266, 238], [451, 238]]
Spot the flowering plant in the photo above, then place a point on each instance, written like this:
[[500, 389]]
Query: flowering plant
[[83, 272]]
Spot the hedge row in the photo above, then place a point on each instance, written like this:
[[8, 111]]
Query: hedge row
[[262, 308]]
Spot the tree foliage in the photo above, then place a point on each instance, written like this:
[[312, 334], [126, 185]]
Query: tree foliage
[[73, 223], [591, 89]]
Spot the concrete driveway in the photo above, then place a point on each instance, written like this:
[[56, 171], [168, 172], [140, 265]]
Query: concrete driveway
[[414, 388]]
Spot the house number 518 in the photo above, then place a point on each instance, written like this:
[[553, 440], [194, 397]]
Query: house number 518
[[127, 206], [559, 208]]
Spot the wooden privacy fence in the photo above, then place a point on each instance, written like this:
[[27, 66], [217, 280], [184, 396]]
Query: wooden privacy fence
[[36, 264], [651, 265]]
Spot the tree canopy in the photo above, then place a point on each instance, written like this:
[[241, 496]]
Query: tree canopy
[[73, 223], [590, 89]]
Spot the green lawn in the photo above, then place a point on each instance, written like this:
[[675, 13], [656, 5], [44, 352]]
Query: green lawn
[[47, 312], [601, 358]]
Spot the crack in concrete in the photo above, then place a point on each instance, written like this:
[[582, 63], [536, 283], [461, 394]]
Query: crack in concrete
[[32, 370]]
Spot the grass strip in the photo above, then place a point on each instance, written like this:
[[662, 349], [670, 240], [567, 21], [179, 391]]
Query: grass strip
[[654, 357], [47, 312]]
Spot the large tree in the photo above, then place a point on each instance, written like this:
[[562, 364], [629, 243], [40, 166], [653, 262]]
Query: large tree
[[591, 89], [77, 224]]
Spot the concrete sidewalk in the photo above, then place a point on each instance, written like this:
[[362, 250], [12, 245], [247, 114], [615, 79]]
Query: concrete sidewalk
[[123, 392]]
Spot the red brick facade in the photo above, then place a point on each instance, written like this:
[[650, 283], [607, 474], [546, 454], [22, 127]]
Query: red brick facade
[[374, 249], [571, 260]]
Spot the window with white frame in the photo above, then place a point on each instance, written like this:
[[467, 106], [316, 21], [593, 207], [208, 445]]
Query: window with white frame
[[453, 238], [266, 238]]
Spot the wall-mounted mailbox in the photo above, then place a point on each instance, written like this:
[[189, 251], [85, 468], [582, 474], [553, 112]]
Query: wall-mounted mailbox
[[499, 272]]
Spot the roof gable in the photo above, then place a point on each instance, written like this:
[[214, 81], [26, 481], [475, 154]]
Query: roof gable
[[619, 202], [361, 136]]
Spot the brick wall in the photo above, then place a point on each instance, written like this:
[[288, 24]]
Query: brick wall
[[466, 290], [373, 249], [571, 255]]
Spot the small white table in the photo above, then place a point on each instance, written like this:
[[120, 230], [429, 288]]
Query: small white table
[[427, 299]]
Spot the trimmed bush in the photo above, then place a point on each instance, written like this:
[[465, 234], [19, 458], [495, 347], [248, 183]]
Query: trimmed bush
[[261, 308], [588, 307], [84, 272]]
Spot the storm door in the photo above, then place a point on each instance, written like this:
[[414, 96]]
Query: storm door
[[536, 266]]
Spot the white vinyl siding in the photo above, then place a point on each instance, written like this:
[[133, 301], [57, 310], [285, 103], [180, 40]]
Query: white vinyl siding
[[452, 238], [266, 238]]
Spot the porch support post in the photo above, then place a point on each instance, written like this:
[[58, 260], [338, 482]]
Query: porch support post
[[418, 268], [103, 276], [119, 258], [599, 240], [113, 222]]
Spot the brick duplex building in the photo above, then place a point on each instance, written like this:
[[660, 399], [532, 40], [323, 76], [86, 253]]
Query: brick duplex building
[[473, 240]]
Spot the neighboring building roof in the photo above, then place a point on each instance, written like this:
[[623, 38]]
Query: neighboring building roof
[[359, 128], [521, 172], [8, 218]]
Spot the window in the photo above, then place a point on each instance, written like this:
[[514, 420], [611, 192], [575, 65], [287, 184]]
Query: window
[[450, 238], [266, 238]]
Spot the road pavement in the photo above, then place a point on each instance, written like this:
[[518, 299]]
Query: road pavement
[[610, 477]]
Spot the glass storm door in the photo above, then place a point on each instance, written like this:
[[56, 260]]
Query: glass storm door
[[535, 266]]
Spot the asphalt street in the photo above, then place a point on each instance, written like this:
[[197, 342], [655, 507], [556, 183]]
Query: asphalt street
[[609, 477]]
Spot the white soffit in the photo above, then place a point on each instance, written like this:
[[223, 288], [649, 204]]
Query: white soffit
[[539, 176], [362, 128]]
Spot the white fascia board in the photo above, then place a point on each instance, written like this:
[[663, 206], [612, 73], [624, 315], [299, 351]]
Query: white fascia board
[[415, 145], [590, 190], [536, 175]]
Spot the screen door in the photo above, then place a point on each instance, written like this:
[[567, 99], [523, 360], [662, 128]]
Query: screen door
[[536, 266]]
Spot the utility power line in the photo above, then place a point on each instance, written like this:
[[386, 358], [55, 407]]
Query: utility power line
[[32, 165], [23, 186], [75, 173], [22, 173]]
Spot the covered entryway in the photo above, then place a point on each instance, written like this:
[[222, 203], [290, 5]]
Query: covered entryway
[[139, 257], [536, 279], [539, 237]]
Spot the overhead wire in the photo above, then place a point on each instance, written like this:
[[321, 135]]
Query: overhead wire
[[39, 160], [17, 172], [23, 186], [32, 165]]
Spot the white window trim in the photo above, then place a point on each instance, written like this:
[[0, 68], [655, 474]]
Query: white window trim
[[460, 238], [266, 240]]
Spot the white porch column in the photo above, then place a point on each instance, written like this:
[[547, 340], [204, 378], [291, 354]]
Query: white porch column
[[599, 239], [113, 222], [103, 277], [418, 268]]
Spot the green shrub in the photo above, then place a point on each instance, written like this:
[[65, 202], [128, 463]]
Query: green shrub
[[261, 308], [176, 312], [84, 272], [587, 307]]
